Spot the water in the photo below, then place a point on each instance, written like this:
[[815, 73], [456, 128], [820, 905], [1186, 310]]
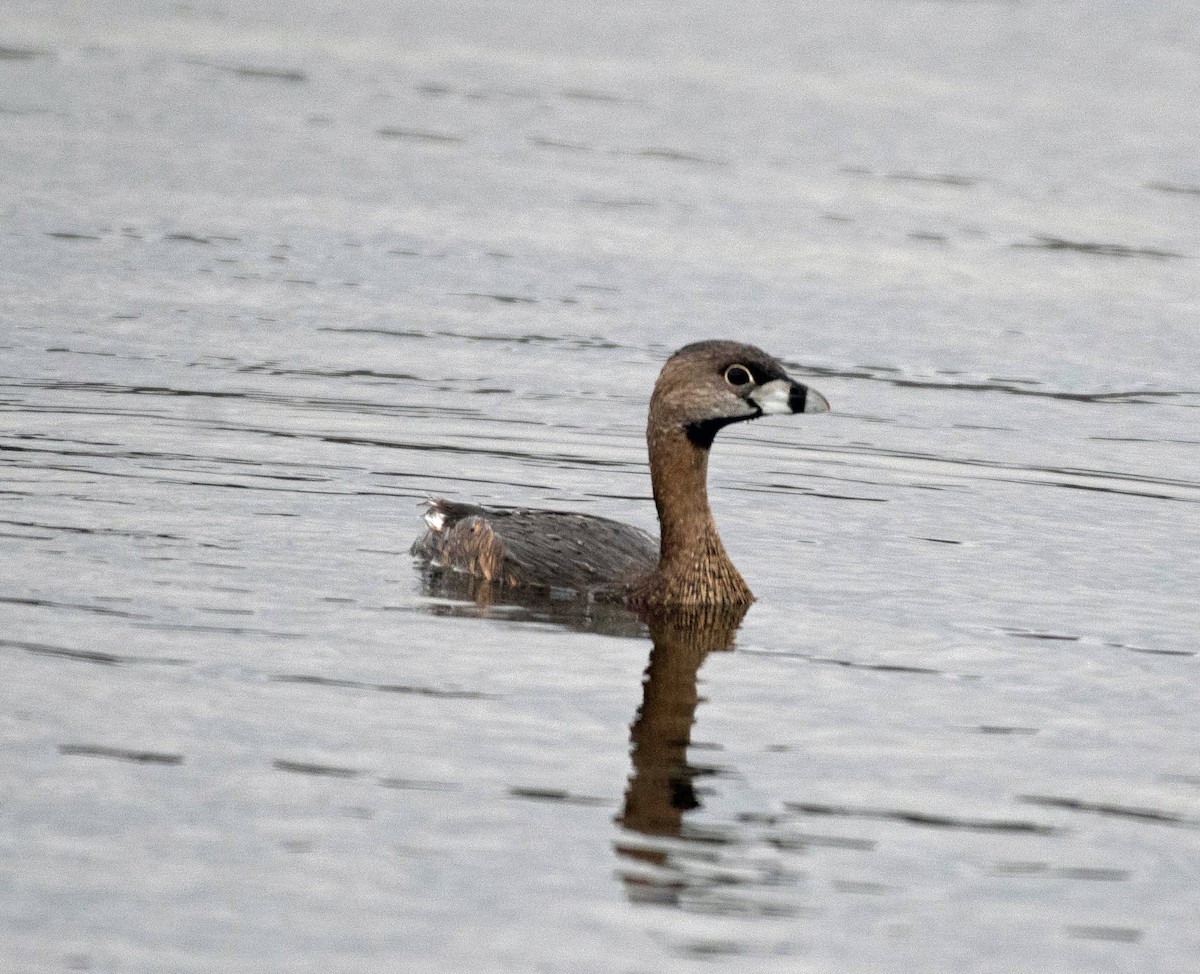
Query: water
[[271, 277]]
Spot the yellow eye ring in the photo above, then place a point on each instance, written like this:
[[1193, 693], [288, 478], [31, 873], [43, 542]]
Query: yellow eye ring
[[738, 375]]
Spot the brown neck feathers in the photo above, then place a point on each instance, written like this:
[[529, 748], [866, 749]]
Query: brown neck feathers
[[693, 567]]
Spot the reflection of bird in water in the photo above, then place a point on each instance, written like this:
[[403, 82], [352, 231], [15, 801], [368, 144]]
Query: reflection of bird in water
[[455, 594], [661, 789], [702, 388]]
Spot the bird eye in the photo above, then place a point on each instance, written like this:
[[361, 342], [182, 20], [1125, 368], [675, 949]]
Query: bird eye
[[738, 375]]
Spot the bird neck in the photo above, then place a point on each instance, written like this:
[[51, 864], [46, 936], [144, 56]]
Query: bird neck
[[693, 566]]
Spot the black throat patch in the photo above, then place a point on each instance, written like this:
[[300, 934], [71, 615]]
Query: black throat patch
[[703, 433]]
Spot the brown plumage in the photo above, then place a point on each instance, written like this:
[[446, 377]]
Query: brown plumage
[[702, 388]]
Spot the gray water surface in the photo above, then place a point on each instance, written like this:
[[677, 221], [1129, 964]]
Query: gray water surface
[[271, 277]]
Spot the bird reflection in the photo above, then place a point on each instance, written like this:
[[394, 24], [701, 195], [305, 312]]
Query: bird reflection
[[661, 786], [458, 594], [662, 783]]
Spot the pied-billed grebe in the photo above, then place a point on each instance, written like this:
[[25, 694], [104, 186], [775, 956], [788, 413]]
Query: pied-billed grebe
[[702, 387]]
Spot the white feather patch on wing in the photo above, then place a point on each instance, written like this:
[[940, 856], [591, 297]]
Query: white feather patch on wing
[[773, 397]]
